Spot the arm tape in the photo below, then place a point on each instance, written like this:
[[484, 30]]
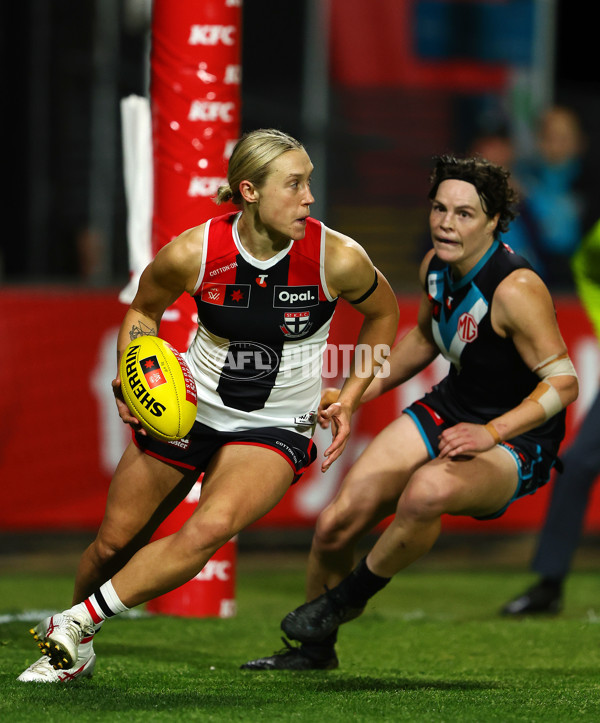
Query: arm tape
[[548, 398], [494, 432], [555, 366], [545, 394]]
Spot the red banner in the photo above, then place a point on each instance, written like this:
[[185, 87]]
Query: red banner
[[61, 436]]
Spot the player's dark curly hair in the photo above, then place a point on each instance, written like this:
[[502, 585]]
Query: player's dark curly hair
[[490, 180]]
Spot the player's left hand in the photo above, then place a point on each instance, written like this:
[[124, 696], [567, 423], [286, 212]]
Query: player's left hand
[[329, 395], [465, 439], [339, 417]]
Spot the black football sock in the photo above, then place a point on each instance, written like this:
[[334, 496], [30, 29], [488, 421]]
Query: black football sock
[[359, 586], [553, 585]]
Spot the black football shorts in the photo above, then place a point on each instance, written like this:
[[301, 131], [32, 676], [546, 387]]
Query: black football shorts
[[196, 449], [432, 415]]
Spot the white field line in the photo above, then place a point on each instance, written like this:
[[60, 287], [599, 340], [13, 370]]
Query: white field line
[[37, 615]]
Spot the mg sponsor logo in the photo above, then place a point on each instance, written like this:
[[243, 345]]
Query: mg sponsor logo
[[211, 111], [212, 35], [288, 297], [467, 328]]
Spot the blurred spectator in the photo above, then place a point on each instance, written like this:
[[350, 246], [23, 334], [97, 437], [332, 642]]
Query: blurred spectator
[[563, 526], [549, 179], [91, 252], [524, 235]]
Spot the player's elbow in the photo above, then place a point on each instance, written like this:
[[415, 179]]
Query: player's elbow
[[570, 390], [567, 388]]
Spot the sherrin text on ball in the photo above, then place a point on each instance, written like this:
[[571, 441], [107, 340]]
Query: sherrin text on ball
[[158, 387]]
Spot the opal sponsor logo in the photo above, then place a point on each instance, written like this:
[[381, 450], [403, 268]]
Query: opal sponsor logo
[[288, 297]]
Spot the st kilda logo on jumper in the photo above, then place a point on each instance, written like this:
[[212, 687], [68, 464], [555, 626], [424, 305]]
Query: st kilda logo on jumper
[[467, 328], [295, 323], [137, 386]]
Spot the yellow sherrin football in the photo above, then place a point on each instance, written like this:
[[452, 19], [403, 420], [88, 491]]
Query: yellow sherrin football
[[158, 387]]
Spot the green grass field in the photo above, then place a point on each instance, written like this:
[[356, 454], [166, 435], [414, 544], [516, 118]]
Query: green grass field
[[431, 647]]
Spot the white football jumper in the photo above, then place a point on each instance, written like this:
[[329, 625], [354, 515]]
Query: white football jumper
[[262, 329]]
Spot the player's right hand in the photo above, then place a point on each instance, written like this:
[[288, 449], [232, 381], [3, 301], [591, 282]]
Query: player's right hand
[[124, 412]]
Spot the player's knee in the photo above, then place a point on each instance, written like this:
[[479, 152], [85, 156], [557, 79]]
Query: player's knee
[[334, 530], [426, 496], [199, 535], [105, 549]]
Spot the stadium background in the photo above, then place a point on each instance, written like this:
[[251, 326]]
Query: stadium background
[[370, 121]]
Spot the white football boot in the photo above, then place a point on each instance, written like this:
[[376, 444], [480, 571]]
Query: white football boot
[[59, 637], [42, 671]]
